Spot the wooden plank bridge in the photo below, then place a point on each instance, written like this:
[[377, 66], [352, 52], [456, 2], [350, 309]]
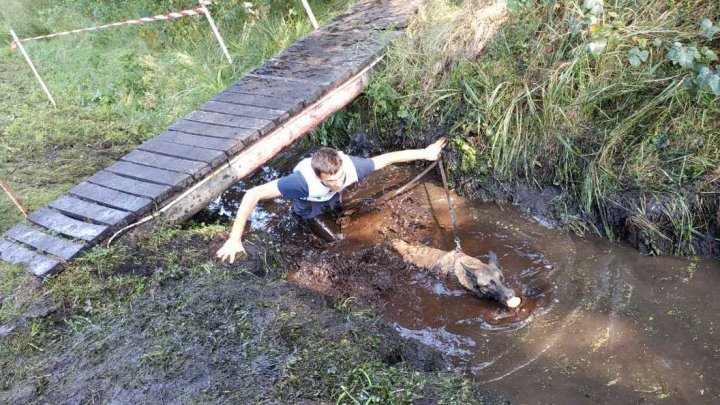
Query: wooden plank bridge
[[203, 153]]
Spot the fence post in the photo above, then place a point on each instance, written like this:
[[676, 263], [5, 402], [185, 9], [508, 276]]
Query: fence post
[[215, 30], [310, 14], [16, 41], [13, 197]]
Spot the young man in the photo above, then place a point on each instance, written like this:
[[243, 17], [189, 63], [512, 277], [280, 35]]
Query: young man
[[315, 184]]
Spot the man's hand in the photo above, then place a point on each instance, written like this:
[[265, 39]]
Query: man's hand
[[432, 152], [231, 248]]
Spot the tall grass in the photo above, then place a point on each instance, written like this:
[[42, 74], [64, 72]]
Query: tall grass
[[537, 103]]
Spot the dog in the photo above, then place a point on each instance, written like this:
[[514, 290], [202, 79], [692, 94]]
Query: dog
[[484, 280]]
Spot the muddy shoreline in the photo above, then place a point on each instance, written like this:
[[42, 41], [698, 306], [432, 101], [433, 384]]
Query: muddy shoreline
[[558, 207]]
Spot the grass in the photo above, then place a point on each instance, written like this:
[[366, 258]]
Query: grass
[[531, 103]]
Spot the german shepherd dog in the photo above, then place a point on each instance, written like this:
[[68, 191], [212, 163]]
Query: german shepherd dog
[[484, 280]]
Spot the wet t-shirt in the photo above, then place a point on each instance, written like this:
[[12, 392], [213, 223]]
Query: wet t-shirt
[[295, 188]]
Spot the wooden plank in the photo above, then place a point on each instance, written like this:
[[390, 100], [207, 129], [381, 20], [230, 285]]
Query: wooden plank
[[271, 114], [284, 78], [371, 21], [217, 131], [65, 225], [153, 191], [377, 16], [213, 157], [36, 263], [291, 106], [91, 212], [344, 61], [354, 49], [230, 146], [50, 244], [150, 174], [278, 88], [191, 167], [112, 198], [290, 66], [262, 125]]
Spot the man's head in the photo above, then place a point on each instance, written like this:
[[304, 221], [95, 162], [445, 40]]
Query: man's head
[[327, 165]]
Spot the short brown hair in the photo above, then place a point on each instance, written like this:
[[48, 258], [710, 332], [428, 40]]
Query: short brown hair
[[325, 161]]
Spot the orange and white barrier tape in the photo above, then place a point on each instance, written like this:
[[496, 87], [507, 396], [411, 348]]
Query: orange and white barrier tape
[[161, 17], [17, 42]]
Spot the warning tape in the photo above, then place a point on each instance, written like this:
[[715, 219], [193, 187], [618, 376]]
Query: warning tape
[[168, 16]]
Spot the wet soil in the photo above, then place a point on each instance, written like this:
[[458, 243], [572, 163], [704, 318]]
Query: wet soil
[[598, 322]]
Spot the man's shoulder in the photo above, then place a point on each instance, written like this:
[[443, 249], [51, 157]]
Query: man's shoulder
[[363, 166], [293, 186]]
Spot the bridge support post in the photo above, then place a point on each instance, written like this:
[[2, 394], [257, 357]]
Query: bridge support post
[[215, 31]]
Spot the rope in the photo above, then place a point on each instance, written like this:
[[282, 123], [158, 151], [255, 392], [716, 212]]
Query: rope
[[450, 207]]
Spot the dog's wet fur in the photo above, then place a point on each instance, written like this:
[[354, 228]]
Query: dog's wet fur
[[484, 280]]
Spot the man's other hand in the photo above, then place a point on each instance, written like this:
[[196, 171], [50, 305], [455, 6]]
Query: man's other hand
[[432, 152], [230, 249]]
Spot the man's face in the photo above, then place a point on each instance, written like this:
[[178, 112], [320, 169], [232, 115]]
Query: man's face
[[334, 181]]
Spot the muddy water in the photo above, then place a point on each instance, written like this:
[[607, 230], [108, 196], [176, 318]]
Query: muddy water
[[598, 321]]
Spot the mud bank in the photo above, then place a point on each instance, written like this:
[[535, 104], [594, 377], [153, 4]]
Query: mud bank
[[654, 232]]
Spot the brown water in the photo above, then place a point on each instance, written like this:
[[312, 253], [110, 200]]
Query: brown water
[[598, 322]]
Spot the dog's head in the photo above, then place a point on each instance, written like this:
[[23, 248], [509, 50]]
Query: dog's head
[[485, 280]]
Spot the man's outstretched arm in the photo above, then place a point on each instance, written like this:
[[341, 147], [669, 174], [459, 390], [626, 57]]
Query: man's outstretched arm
[[233, 245], [432, 152]]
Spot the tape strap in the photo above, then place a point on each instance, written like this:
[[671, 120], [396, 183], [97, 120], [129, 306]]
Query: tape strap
[[142, 20]]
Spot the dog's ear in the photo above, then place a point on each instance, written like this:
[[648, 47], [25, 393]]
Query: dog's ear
[[492, 259], [470, 271]]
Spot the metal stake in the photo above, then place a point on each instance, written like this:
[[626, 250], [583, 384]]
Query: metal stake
[[310, 14], [17, 42], [215, 30], [13, 197], [449, 201]]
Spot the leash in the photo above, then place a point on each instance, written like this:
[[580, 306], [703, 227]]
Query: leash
[[449, 202]]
